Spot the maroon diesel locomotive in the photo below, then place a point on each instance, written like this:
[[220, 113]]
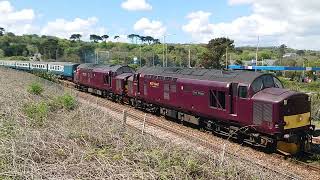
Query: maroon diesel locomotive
[[252, 107], [104, 80]]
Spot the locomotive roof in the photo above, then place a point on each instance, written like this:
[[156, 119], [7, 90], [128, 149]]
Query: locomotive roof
[[106, 68], [203, 74]]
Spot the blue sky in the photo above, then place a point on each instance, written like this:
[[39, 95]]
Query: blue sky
[[188, 20]]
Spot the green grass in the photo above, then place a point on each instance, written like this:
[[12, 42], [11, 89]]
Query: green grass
[[35, 88], [65, 101], [46, 75], [316, 123], [300, 86], [37, 112]]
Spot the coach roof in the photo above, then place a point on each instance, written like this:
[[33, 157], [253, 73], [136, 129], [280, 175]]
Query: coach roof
[[203, 74]]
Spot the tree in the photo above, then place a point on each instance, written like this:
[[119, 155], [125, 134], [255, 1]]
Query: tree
[[1, 53], [265, 55], [206, 59], [216, 48], [11, 34], [156, 41], [282, 50], [143, 39], [105, 37], [300, 52], [116, 37], [137, 37], [131, 36], [239, 62], [95, 38], [149, 39], [134, 38], [238, 51], [2, 30], [50, 48], [74, 37]]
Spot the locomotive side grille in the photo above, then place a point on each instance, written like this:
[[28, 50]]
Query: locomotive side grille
[[257, 113], [267, 112], [261, 112]]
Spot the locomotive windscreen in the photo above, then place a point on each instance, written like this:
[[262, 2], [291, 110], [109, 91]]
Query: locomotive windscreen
[[265, 81]]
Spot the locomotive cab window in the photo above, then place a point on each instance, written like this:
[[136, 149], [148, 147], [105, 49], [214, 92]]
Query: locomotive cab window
[[217, 99], [243, 91], [265, 81], [106, 79]]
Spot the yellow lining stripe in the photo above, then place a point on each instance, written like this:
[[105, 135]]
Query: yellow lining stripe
[[296, 121]]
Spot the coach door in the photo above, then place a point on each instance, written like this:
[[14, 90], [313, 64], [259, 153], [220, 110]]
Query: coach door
[[233, 89]]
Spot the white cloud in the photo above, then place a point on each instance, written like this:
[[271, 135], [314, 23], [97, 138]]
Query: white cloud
[[64, 28], [136, 5], [150, 28], [293, 22], [16, 21]]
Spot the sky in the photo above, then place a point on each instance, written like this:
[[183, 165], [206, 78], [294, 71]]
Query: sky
[[292, 22]]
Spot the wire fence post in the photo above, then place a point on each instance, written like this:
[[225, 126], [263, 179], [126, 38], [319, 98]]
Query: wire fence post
[[144, 123], [124, 118], [222, 155]]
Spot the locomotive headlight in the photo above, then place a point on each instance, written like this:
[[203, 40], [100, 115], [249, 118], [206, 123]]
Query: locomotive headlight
[[285, 102], [286, 136]]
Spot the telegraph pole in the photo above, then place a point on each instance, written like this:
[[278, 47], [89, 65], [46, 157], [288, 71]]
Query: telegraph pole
[[163, 55], [140, 56], [166, 55], [189, 64], [257, 53], [226, 58]]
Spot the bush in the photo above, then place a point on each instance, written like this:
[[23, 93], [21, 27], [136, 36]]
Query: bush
[[65, 101], [18, 58], [1, 53], [47, 76], [134, 66], [37, 112], [35, 88]]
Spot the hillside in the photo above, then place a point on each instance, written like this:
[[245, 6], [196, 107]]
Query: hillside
[[46, 133]]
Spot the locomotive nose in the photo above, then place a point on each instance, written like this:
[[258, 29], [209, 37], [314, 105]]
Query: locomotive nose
[[293, 108], [296, 111]]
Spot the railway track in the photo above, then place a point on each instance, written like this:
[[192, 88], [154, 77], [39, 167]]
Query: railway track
[[185, 133]]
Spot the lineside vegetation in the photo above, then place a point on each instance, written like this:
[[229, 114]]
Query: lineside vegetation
[[53, 136]]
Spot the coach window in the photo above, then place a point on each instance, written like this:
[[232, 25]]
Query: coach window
[[243, 92]]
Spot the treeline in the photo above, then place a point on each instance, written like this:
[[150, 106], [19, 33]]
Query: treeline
[[142, 50]]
